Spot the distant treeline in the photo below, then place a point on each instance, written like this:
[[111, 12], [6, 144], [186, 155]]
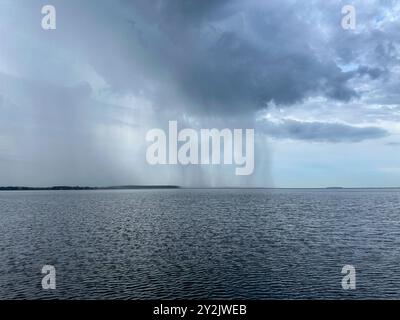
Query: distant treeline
[[19, 188]]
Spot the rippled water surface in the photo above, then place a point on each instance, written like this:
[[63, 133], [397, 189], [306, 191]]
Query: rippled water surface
[[148, 244]]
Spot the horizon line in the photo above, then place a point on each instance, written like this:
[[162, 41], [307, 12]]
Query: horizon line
[[132, 187]]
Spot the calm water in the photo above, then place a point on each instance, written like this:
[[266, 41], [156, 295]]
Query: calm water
[[144, 244]]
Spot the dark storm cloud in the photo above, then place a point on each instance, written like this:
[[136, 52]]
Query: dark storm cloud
[[224, 57], [320, 131], [269, 59]]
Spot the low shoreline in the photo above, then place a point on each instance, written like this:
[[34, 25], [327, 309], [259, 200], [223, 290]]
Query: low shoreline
[[166, 187], [58, 188]]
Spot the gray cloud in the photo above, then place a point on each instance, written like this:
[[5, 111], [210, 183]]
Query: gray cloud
[[393, 144], [240, 59], [320, 131], [222, 57]]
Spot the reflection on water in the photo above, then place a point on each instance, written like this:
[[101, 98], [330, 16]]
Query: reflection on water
[[148, 244]]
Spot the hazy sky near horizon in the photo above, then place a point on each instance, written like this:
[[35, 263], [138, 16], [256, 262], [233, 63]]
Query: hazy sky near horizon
[[76, 102]]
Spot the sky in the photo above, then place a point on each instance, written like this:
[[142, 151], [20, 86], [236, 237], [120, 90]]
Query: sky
[[76, 102]]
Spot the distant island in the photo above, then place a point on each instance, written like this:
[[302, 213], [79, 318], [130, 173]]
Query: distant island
[[128, 187]]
